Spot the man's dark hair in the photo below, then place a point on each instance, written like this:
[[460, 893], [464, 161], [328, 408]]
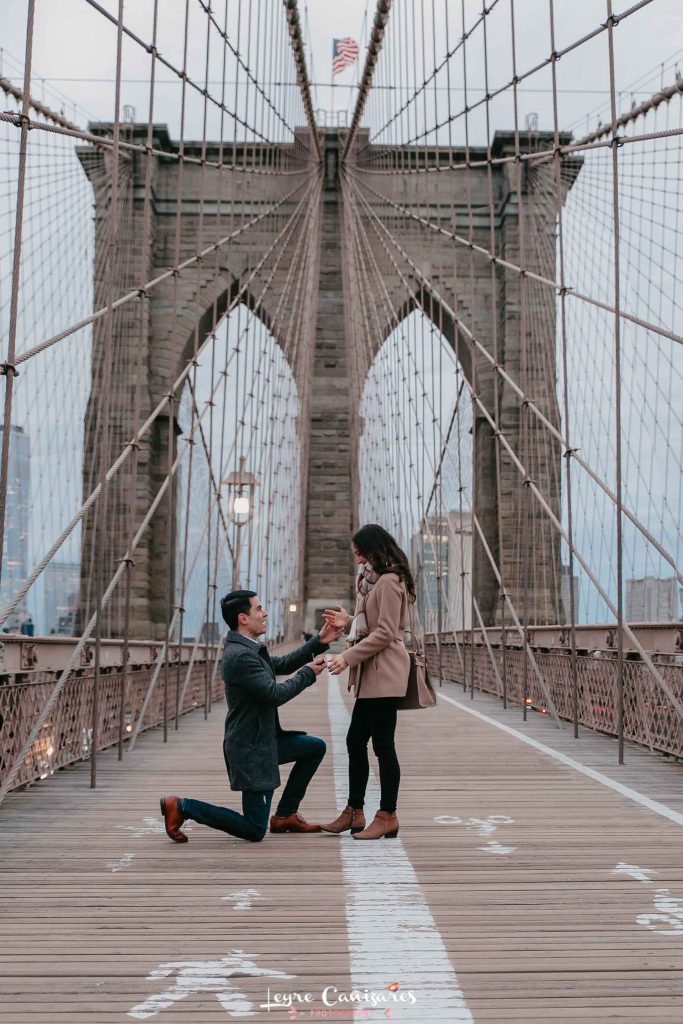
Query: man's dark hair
[[234, 603]]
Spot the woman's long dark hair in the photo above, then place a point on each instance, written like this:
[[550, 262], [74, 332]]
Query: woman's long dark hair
[[384, 555]]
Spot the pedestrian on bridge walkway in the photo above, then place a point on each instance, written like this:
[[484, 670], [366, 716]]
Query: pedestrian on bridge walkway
[[379, 667], [254, 742]]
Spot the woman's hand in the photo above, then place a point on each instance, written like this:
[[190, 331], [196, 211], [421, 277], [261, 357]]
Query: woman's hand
[[338, 617], [329, 633], [337, 665]]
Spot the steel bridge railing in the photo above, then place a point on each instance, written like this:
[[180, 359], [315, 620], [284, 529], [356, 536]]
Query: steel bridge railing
[[587, 695], [129, 702]]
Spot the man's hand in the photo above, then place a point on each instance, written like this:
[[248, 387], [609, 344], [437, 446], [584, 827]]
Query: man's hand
[[338, 617], [318, 664], [329, 633], [337, 665]]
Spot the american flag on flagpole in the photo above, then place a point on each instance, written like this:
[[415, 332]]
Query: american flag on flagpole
[[344, 54]]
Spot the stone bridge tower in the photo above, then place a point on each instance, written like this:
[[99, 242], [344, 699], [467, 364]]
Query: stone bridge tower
[[182, 310]]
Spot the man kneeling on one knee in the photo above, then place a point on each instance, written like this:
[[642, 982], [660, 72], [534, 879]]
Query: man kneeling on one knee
[[254, 743]]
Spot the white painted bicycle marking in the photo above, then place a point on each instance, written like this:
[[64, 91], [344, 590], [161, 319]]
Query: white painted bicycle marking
[[121, 864], [633, 871], [243, 899], [667, 918], [195, 977], [151, 827], [483, 827], [493, 846]]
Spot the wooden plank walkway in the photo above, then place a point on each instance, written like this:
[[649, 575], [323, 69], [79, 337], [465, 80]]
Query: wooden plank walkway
[[518, 890]]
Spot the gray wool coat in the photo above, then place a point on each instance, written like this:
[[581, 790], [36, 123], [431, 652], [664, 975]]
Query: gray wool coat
[[252, 725]]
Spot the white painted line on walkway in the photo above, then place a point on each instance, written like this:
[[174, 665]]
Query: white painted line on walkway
[[570, 762], [392, 934]]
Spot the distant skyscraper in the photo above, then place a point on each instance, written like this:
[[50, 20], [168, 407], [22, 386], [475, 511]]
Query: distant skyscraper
[[210, 633], [445, 545], [459, 570], [62, 582], [428, 554], [566, 595], [653, 600], [15, 545]]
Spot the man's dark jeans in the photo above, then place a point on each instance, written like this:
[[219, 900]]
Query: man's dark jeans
[[305, 751]]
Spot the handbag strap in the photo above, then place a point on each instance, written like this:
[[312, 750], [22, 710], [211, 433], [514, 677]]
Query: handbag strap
[[412, 631]]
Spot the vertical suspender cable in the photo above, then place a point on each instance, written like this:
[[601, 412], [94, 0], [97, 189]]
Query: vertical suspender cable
[[143, 314], [9, 368], [617, 385], [100, 525], [170, 526], [565, 377]]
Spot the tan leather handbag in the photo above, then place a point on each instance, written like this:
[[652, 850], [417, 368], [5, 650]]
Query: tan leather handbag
[[420, 692]]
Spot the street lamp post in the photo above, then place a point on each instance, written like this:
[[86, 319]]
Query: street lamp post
[[241, 486]]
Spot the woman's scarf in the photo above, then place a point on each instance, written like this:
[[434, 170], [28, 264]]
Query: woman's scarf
[[365, 581]]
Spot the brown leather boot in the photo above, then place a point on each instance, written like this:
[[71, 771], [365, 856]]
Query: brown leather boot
[[350, 818], [173, 819], [384, 826], [292, 823]]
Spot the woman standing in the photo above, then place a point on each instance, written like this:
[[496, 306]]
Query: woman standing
[[379, 665]]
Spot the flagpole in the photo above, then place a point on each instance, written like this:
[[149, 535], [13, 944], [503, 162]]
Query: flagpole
[[332, 85]]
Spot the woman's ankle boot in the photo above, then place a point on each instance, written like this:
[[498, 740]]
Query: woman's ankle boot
[[350, 818], [384, 826]]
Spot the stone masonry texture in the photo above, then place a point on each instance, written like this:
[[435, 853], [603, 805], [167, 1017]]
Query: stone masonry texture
[[158, 333]]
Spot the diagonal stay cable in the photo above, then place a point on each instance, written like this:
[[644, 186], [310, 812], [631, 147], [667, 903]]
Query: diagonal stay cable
[[42, 717], [136, 293], [47, 708], [475, 519], [526, 402], [131, 445], [522, 271], [374, 47], [528, 482]]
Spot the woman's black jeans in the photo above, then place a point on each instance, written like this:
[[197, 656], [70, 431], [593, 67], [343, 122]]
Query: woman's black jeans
[[373, 718]]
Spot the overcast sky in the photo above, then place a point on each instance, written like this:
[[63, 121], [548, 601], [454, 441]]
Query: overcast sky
[[74, 50], [74, 62]]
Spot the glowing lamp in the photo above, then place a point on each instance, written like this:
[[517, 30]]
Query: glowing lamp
[[240, 506], [241, 486]]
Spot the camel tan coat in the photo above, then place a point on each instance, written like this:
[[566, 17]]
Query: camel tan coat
[[379, 663]]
